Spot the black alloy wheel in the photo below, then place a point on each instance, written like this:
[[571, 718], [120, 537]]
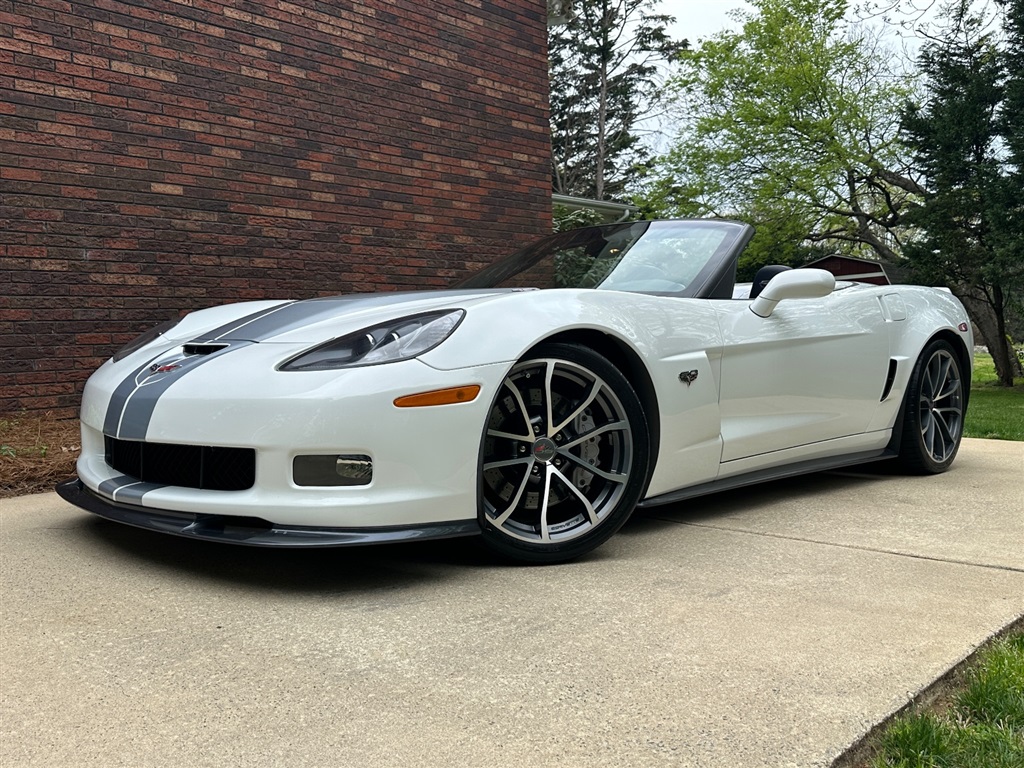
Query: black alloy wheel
[[933, 419]]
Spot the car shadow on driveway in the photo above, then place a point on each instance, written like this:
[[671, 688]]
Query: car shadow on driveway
[[718, 507], [396, 566], [314, 570]]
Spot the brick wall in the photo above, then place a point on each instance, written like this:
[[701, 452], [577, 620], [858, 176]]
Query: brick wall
[[164, 155]]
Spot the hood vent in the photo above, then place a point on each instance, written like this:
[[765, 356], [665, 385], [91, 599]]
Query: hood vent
[[199, 348]]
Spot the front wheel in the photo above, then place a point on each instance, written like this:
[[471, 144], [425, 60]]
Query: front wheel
[[933, 418], [565, 456]]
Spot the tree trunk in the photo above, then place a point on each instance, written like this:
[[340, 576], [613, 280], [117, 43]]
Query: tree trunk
[[991, 328], [602, 121], [1013, 362]]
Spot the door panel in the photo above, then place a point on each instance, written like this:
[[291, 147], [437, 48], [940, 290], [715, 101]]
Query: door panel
[[814, 370]]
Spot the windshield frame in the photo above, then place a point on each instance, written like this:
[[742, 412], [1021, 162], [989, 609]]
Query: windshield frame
[[715, 279]]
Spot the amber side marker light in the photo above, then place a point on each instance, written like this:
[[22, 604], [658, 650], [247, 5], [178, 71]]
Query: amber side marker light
[[448, 396]]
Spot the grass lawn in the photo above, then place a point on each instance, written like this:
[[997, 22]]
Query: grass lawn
[[994, 412], [982, 726], [979, 721]]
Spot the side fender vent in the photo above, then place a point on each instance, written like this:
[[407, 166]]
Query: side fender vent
[[890, 377]]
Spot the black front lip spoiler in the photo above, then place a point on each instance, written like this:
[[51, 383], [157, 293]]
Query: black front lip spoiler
[[253, 531]]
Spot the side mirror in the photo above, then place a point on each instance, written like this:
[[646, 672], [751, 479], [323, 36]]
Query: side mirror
[[794, 284]]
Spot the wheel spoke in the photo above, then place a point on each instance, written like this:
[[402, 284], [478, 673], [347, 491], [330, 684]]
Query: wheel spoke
[[940, 426], [594, 389], [549, 375], [932, 377], [504, 516], [509, 435], [934, 429], [615, 477], [926, 379], [945, 365], [954, 387], [944, 434], [591, 512], [947, 428], [508, 462], [545, 530], [522, 405], [615, 426]]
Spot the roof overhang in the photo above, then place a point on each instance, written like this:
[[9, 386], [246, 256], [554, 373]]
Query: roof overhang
[[609, 210]]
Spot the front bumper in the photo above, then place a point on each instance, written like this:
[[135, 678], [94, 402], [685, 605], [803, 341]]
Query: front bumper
[[425, 460], [253, 531]]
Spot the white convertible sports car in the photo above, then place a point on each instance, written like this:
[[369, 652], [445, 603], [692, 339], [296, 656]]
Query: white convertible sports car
[[537, 403]]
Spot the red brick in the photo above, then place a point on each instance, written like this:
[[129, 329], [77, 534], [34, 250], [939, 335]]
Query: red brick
[[163, 162]]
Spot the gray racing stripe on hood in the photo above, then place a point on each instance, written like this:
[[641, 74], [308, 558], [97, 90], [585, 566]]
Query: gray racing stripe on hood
[[126, 391], [282, 319], [119, 396], [298, 314], [137, 409], [132, 403]]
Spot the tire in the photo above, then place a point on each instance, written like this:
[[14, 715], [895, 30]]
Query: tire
[[933, 416], [565, 456]]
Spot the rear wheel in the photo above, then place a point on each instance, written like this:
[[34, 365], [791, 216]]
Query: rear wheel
[[933, 419], [565, 456]]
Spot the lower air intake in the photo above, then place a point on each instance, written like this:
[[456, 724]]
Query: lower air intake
[[189, 466]]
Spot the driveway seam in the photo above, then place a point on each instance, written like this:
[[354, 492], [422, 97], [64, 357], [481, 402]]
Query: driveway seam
[[860, 548]]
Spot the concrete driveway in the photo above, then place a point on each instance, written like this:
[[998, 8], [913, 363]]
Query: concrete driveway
[[764, 627]]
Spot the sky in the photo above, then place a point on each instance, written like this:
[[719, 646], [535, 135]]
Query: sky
[[697, 19]]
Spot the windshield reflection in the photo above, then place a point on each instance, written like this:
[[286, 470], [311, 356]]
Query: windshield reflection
[[644, 256]]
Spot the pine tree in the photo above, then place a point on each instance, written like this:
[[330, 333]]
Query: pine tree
[[970, 216], [604, 70]]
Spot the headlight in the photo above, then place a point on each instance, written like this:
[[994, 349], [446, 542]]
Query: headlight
[[389, 342], [151, 335]]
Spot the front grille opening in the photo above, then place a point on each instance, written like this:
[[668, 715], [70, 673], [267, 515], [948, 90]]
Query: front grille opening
[[189, 466]]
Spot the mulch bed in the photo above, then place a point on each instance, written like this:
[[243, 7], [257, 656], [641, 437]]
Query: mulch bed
[[37, 451]]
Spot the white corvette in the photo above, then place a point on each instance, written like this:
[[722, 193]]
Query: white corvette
[[537, 404]]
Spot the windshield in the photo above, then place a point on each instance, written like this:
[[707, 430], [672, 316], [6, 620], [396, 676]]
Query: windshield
[[645, 256]]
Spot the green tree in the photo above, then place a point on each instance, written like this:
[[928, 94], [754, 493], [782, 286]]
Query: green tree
[[968, 139], [564, 219], [1012, 127], [791, 124], [604, 72]]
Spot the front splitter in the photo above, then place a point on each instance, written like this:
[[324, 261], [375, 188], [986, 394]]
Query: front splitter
[[252, 531]]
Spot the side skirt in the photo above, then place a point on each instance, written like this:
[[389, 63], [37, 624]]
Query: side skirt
[[765, 475]]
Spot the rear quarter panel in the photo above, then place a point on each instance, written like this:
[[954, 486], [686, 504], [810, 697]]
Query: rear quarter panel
[[929, 312]]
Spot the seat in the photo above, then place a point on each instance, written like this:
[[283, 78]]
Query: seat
[[764, 276]]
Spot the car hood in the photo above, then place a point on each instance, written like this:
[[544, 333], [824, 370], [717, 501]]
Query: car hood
[[315, 320]]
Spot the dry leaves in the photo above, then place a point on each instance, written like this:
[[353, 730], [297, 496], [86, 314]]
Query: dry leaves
[[37, 451]]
